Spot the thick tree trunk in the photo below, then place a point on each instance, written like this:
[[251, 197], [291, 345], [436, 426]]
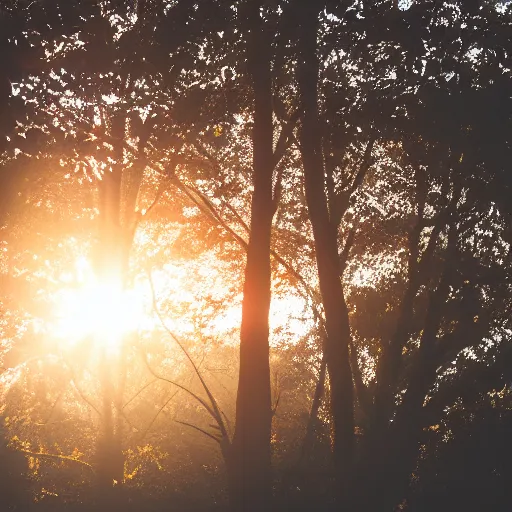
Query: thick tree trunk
[[326, 247], [251, 443]]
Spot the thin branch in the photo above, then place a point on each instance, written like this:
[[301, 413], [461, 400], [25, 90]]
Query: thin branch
[[438, 297], [276, 404], [125, 418], [329, 182], [52, 410], [195, 427], [313, 414], [365, 165], [174, 383], [229, 427], [147, 429], [426, 257], [139, 392], [57, 457], [478, 378], [81, 394], [277, 397], [212, 213], [214, 407], [238, 217], [207, 208], [205, 153], [361, 389], [469, 333], [285, 136], [389, 364], [163, 187], [423, 370], [343, 198], [346, 250], [278, 188]]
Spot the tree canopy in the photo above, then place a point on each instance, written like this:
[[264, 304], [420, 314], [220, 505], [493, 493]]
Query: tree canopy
[[255, 254]]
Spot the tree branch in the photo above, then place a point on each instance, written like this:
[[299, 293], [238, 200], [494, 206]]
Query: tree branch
[[215, 410], [361, 389], [81, 394], [195, 427], [180, 386], [55, 457], [313, 414], [342, 199], [285, 136], [138, 393], [478, 378], [150, 424], [346, 250]]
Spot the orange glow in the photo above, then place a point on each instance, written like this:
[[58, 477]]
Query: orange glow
[[101, 310]]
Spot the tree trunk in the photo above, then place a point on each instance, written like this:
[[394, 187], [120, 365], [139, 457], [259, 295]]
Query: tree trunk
[[309, 436], [111, 267], [326, 247], [251, 442], [110, 457]]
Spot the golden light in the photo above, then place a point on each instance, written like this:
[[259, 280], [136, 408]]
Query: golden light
[[100, 310]]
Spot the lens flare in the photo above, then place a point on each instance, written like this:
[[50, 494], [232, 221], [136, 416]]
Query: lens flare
[[101, 310]]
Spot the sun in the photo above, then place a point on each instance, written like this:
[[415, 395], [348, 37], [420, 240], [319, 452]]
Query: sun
[[102, 310]]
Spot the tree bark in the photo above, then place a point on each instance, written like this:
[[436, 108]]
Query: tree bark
[[251, 442], [326, 247]]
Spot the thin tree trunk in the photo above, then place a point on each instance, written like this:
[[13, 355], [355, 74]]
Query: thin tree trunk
[[326, 247], [110, 457], [251, 468], [309, 436], [392, 449], [111, 264]]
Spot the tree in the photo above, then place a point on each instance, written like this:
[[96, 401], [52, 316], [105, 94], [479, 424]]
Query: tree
[[175, 114], [251, 440], [390, 443]]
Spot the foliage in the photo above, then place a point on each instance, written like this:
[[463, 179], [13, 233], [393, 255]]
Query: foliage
[[414, 111]]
